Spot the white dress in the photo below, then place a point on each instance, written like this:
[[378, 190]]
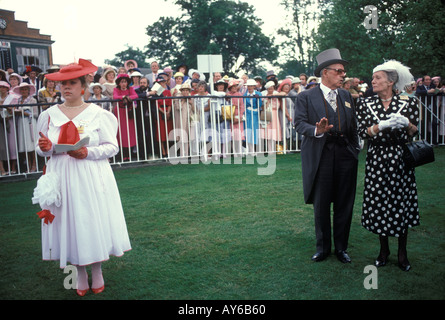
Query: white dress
[[89, 223]]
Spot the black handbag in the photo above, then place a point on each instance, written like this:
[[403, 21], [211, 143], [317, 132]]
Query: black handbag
[[417, 153]]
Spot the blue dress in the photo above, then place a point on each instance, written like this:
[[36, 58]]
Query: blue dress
[[251, 125]]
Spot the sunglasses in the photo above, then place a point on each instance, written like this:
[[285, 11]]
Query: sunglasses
[[339, 71]]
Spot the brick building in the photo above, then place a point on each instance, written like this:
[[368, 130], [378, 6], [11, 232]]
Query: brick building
[[21, 46]]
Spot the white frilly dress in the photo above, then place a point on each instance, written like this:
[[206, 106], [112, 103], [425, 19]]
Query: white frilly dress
[[82, 194]]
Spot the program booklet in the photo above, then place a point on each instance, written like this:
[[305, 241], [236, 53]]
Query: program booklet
[[158, 88], [61, 148]]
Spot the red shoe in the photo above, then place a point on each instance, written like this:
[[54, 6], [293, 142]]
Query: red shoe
[[81, 293], [98, 290]]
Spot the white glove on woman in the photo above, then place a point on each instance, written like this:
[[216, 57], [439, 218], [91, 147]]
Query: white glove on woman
[[402, 121], [390, 123]]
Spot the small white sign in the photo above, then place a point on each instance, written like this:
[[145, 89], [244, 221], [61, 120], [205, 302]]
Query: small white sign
[[210, 63]]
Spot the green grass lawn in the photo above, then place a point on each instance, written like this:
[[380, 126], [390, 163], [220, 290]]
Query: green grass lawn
[[219, 231]]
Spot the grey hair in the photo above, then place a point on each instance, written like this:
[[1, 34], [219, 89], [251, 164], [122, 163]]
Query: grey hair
[[392, 76]]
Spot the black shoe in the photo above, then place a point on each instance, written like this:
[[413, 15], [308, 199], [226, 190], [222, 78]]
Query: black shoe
[[319, 256], [405, 265], [343, 256], [380, 263], [381, 260]]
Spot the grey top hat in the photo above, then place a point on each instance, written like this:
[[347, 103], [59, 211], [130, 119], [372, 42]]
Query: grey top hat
[[328, 57]]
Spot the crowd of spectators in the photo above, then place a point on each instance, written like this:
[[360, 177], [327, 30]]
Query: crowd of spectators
[[221, 115]]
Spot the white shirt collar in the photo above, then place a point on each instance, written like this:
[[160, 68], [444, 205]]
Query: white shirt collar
[[326, 90]]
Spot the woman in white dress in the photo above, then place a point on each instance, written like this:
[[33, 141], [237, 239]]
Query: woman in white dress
[[82, 218], [26, 123]]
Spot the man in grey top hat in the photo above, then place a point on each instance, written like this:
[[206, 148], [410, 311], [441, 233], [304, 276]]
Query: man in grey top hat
[[325, 116]]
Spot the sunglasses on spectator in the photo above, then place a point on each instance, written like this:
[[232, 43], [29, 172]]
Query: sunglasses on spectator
[[339, 71]]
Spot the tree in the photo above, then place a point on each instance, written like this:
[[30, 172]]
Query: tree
[[224, 27], [408, 31], [129, 54], [297, 46]]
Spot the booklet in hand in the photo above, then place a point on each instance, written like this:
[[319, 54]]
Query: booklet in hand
[[60, 148], [158, 88]]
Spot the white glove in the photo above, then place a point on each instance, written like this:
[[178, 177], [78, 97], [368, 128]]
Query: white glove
[[390, 123], [402, 121]]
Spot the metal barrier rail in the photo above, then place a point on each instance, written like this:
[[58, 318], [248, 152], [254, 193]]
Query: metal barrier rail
[[195, 128], [432, 118]]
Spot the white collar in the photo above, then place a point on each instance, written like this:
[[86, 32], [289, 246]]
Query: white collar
[[58, 118], [326, 90]]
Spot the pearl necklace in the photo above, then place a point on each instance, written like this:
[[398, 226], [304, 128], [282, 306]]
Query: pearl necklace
[[75, 107], [386, 100]]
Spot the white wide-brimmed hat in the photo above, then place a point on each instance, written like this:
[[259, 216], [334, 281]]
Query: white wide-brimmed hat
[[91, 88]]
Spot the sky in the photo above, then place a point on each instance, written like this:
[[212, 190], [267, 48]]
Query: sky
[[97, 29]]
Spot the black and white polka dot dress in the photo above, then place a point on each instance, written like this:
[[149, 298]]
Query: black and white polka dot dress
[[390, 203]]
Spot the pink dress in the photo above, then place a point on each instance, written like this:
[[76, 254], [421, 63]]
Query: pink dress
[[126, 134], [238, 128], [273, 129]]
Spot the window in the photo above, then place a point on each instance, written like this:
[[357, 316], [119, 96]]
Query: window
[[31, 56]]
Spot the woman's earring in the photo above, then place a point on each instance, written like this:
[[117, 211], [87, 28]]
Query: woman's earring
[[82, 92]]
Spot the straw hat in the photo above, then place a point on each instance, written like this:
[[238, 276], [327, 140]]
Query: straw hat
[[185, 86]]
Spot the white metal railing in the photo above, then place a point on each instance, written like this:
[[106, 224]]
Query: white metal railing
[[432, 118], [195, 129]]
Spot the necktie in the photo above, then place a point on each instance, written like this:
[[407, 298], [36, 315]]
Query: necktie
[[332, 99]]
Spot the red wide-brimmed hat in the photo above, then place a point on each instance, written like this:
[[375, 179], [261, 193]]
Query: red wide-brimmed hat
[[73, 71]]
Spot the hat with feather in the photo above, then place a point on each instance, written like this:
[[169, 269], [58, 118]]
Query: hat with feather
[[404, 76]]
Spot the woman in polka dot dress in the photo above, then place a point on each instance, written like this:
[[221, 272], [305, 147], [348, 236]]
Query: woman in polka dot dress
[[390, 193]]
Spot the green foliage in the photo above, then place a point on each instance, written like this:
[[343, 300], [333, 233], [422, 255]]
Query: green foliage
[[297, 43], [220, 231], [408, 31], [224, 27], [129, 54]]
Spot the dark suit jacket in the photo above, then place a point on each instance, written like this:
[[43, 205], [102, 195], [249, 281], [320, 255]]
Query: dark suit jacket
[[423, 91], [310, 109]]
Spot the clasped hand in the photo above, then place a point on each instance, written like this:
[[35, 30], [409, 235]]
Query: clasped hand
[[80, 153], [395, 121]]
